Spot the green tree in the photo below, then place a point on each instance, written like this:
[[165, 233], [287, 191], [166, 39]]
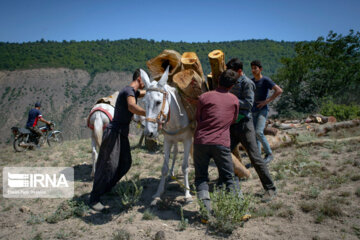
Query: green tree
[[325, 69]]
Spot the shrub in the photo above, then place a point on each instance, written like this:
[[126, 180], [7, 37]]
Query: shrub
[[121, 234], [228, 210], [148, 215], [67, 210], [184, 221], [340, 111], [331, 208], [308, 206], [357, 192], [129, 192]]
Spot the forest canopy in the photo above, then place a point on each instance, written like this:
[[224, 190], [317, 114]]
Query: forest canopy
[[127, 55]]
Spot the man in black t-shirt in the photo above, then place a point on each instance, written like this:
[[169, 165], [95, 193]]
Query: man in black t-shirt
[[114, 159]]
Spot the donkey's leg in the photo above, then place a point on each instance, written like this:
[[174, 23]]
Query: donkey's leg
[[164, 172], [175, 152], [185, 168], [94, 154]]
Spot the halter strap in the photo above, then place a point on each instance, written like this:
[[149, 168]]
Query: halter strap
[[161, 113]]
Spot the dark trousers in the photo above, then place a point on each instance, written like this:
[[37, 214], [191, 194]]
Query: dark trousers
[[114, 161], [222, 158], [36, 131], [244, 133]]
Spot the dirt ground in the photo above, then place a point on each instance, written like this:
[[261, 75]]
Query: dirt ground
[[318, 197]]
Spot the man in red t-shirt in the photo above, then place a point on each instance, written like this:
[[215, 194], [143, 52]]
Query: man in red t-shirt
[[216, 111], [34, 117]]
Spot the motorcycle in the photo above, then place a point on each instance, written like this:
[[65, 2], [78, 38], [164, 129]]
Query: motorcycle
[[24, 139]]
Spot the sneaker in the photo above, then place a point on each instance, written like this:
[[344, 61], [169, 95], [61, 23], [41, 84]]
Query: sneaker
[[269, 195], [97, 206], [268, 158]]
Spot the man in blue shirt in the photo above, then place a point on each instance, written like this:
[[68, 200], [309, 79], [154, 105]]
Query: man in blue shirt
[[33, 118], [243, 131], [260, 109]]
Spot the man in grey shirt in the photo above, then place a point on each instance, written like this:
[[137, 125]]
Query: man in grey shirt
[[243, 131]]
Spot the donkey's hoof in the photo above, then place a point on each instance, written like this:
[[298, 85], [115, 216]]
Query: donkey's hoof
[[155, 201], [188, 200]]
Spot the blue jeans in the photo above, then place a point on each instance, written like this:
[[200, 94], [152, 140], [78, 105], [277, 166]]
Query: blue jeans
[[259, 119]]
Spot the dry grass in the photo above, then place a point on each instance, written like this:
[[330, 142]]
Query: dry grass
[[318, 197]]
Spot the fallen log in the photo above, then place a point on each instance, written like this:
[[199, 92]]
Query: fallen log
[[209, 82], [324, 141], [321, 131], [190, 60], [157, 66], [191, 85], [270, 131], [281, 139], [217, 64], [239, 169], [318, 118]]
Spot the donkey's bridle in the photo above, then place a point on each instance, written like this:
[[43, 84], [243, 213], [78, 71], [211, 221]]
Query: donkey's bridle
[[161, 113]]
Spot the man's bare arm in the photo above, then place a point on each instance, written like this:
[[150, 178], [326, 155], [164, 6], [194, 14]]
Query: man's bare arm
[[133, 107], [44, 121], [142, 93]]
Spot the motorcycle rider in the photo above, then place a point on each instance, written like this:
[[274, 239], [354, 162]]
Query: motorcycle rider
[[33, 118]]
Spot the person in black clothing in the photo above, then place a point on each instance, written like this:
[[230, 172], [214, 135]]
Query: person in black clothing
[[243, 131], [33, 118], [114, 159]]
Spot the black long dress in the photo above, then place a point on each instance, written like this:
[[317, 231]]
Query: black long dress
[[114, 159]]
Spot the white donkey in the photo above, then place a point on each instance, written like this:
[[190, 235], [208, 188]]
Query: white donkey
[[100, 116], [165, 111]]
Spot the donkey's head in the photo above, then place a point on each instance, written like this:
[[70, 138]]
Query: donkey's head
[[156, 104]]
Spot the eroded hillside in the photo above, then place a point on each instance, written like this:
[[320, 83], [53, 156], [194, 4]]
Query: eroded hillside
[[66, 95]]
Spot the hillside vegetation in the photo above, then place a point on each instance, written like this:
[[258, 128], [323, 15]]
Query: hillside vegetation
[[127, 55]]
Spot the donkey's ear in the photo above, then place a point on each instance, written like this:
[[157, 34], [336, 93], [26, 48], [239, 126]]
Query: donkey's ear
[[164, 77], [145, 78]]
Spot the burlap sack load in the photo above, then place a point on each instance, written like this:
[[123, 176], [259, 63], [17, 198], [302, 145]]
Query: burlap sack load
[[109, 100], [217, 64], [157, 68]]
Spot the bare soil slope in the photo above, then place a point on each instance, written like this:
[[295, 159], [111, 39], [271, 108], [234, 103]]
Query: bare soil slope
[[66, 95]]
